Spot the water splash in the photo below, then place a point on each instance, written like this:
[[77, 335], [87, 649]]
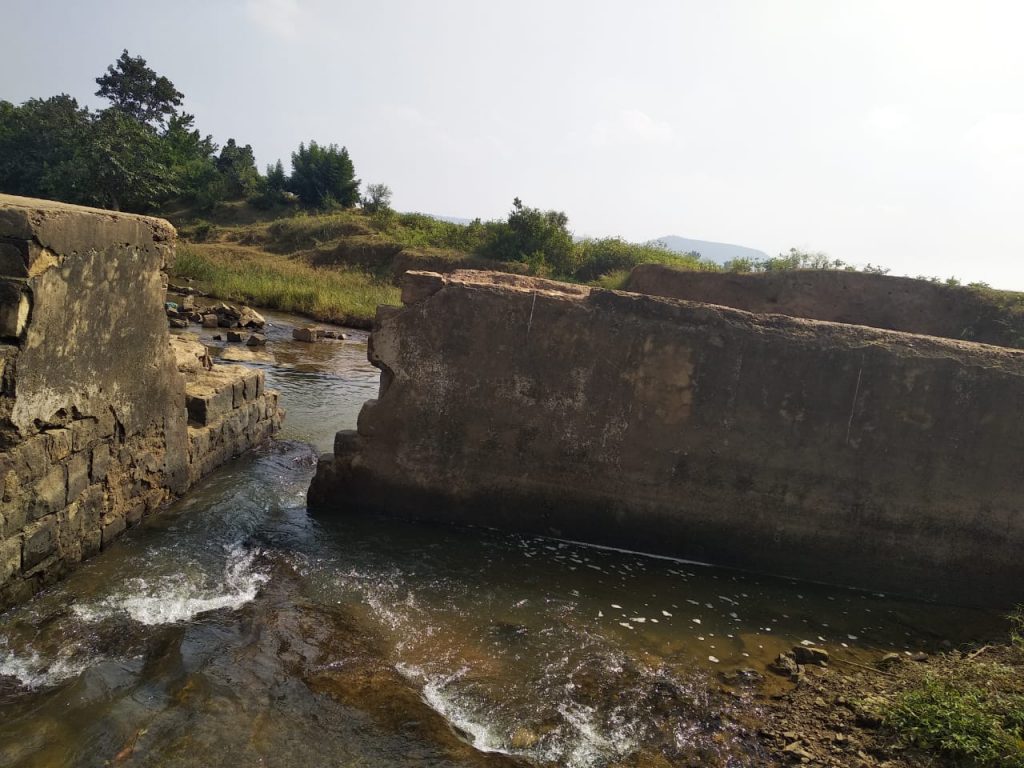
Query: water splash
[[181, 597], [34, 672]]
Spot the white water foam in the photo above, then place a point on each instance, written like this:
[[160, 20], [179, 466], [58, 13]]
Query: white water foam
[[33, 672], [177, 598], [577, 743], [439, 695]]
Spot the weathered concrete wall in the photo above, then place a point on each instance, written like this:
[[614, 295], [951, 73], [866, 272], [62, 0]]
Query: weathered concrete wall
[[857, 298], [94, 424], [830, 452]]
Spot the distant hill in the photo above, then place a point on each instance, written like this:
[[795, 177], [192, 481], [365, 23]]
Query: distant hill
[[709, 251]]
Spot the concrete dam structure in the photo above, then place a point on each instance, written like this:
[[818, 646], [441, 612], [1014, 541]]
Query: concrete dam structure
[[103, 416], [831, 452], [854, 298]]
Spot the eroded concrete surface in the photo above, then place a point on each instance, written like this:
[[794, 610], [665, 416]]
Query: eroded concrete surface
[[818, 450]]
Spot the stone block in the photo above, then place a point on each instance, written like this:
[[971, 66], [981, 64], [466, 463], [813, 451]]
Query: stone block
[[84, 432], [100, 462], [207, 405], [15, 515], [210, 321], [78, 476], [30, 459], [305, 334], [90, 507], [40, 542], [14, 309], [112, 529], [49, 495], [251, 385], [10, 558], [58, 444]]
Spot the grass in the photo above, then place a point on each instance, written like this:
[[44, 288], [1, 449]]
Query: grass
[[969, 723], [340, 295], [969, 710]]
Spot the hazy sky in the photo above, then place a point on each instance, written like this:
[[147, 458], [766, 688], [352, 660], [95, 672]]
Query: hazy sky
[[885, 132]]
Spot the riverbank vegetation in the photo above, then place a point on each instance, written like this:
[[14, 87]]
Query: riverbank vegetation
[[962, 708]]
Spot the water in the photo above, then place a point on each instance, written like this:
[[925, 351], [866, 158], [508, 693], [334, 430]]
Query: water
[[233, 629]]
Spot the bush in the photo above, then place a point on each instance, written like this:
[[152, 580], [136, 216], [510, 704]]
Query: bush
[[596, 257], [538, 238]]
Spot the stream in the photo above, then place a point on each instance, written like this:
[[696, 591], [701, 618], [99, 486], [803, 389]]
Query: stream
[[234, 629]]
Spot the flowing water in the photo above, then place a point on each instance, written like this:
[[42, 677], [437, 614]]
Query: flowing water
[[233, 629]]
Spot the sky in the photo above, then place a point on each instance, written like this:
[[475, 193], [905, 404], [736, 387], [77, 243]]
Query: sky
[[889, 133]]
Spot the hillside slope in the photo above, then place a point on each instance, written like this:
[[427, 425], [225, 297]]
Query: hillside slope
[[719, 253]]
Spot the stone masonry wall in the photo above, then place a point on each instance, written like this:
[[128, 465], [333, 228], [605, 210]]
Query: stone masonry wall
[[830, 452], [94, 425]]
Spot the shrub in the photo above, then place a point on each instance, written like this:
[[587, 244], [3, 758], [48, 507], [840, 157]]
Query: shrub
[[961, 720]]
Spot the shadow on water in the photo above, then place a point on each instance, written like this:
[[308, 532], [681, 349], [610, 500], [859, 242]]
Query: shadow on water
[[233, 629]]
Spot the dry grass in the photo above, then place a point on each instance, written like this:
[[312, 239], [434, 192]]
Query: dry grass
[[245, 274]]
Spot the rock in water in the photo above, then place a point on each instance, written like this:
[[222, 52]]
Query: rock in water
[[305, 334], [234, 336], [810, 655], [250, 318], [256, 340]]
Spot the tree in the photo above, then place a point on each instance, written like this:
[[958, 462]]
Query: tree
[[42, 148], [276, 181], [137, 91], [377, 198], [324, 176], [237, 166], [127, 165], [538, 238]]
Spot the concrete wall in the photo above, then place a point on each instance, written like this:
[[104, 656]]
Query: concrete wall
[[836, 453], [94, 426], [857, 298]]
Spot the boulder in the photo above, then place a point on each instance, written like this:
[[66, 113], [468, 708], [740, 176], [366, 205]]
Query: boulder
[[178, 322], [250, 318], [256, 340], [234, 336], [210, 321], [305, 334]]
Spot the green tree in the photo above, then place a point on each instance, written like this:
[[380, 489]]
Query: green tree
[[377, 198], [42, 148], [126, 164], [276, 181], [539, 238], [237, 166], [137, 91], [323, 176]]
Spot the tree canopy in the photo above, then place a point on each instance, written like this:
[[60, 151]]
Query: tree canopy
[[139, 92], [143, 151], [323, 176]]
